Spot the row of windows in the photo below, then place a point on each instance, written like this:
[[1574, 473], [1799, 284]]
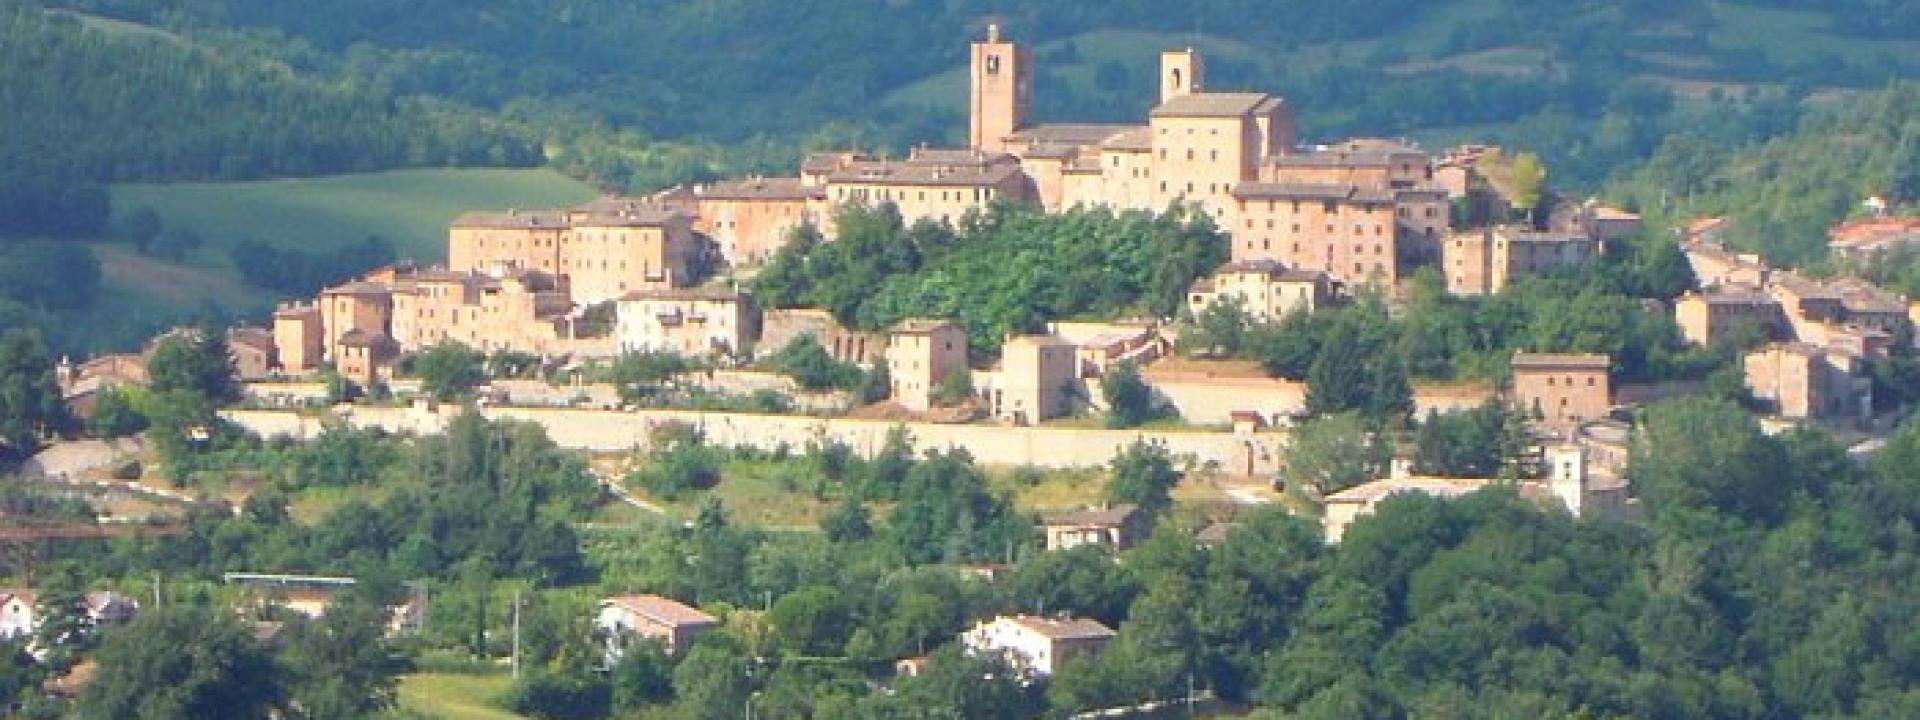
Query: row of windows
[[886, 195], [1570, 382], [1268, 245], [1211, 155], [1378, 230]]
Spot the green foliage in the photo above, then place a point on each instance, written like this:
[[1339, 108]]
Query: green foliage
[[1143, 475], [678, 469], [114, 415], [1479, 443], [49, 275], [642, 677], [848, 521], [711, 682], [298, 273], [955, 388], [196, 362], [132, 108], [30, 401], [450, 368], [1129, 400], [1220, 329], [340, 666], [945, 512], [1353, 370], [1335, 452], [550, 694], [639, 374], [1783, 194], [1082, 581], [812, 620], [1008, 269], [809, 364], [957, 685], [182, 662]]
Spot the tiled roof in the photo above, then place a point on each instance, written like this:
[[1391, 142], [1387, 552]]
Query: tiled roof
[[662, 610], [1212, 104], [1070, 133], [971, 173], [512, 219], [920, 326], [710, 294], [780, 188], [1138, 138], [1561, 360], [1373, 492], [1064, 628], [1311, 191], [1099, 517]]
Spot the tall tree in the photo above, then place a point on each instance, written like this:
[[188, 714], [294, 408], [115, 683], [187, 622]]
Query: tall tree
[[183, 662], [29, 395], [1129, 400], [450, 368], [1143, 475], [339, 666]]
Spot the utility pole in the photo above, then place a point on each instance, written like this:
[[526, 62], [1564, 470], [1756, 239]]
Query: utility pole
[[156, 591], [516, 634]]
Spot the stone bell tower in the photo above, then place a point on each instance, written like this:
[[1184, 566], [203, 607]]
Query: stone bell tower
[[1182, 72], [1002, 90]]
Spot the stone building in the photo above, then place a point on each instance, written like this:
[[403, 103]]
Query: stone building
[[1707, 317], [1802, 381], [692, 322], [1265, 289], [1036, 646], [362, 306], [625, 619], [1035, 380], [1117, 527], [603, 249], [937, 185], [1001, 79], [1562, 388], [748, 220], [921, 354], [1485, 261], [253, 352], [779, 327], [299, 337]]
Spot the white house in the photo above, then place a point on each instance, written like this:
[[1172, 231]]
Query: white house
[[1036, 645], [17, 616]]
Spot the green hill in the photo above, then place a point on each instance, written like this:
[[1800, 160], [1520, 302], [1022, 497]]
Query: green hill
[[409, 207]]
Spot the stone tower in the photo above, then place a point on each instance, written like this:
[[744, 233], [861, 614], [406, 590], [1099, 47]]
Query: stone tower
[[1182, 72], [1002, 74]]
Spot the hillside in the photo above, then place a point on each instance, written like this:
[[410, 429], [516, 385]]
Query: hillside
[[1783, 195]]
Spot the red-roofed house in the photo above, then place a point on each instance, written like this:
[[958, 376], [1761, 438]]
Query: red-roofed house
[[623, 618]]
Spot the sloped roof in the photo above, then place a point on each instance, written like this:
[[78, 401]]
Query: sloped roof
[[1213, 104], [662, 610]]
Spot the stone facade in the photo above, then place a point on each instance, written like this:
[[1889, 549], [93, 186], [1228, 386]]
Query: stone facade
[[1485, 261], [920, 355], [1562, 389], [299, 337], [1801, 381], [780, 327], [1265, 289], [1036, 380], [604, 249], [689, 322]]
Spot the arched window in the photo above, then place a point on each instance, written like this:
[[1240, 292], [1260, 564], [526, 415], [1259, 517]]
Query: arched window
[[1176, 78]]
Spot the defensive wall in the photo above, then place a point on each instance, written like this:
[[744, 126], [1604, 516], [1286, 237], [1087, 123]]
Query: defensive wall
[[613, 430]]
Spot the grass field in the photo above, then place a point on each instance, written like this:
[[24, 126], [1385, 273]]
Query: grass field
[[455, 697], [409, 207]]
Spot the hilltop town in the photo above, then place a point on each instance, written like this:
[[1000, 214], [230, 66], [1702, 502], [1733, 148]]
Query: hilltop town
[[722, 490]]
